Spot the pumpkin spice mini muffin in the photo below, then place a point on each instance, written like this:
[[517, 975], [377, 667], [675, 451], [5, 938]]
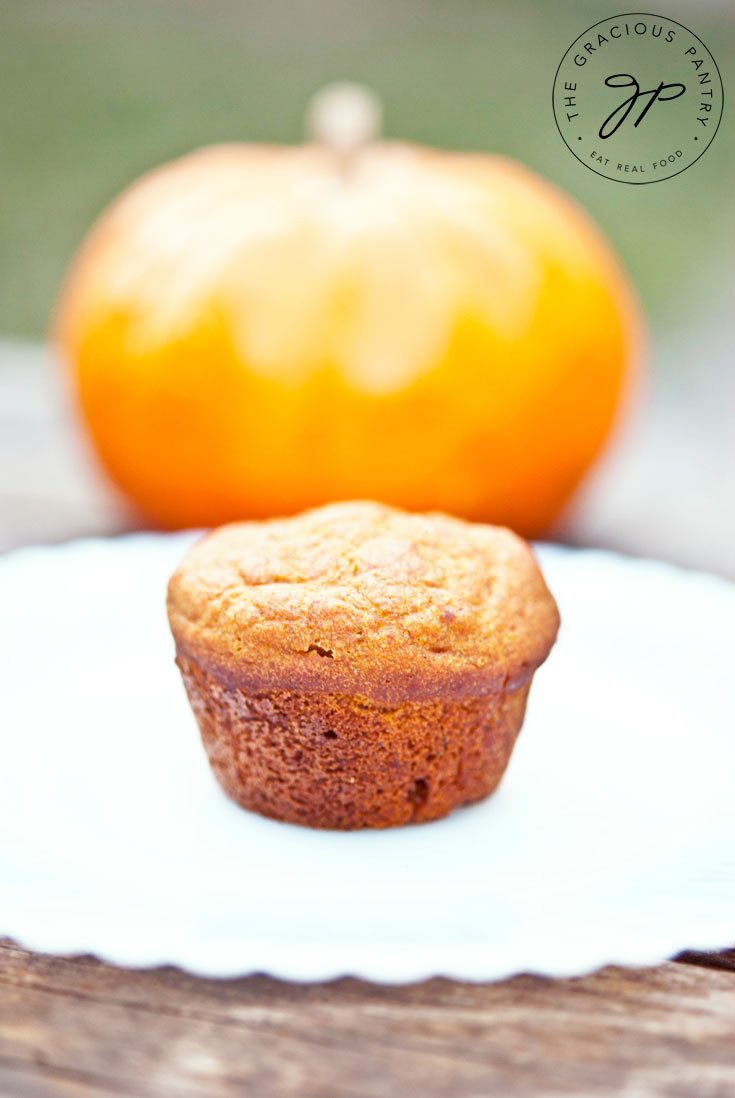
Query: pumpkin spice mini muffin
[[358, 666]]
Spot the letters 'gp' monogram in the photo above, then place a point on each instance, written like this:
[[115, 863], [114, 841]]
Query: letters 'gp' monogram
[[625, 80]]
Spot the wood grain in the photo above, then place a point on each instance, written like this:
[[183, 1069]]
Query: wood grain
[[724, 959], [79, 1027]]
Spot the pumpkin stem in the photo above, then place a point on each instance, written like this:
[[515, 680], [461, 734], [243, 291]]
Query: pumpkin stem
[[345, 118]]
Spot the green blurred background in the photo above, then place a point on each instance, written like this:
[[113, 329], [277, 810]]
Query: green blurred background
[[97, 91]]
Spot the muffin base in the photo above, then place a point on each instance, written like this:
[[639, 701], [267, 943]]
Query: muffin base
[[337, 761]]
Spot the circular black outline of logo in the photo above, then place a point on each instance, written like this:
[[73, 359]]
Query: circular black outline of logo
[[634, 182]]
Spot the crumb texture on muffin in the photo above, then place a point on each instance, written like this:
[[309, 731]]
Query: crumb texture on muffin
[[327, 761], [363, 599]]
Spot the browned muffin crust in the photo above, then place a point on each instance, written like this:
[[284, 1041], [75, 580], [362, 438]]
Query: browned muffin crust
[[337, 761], [363, 599]]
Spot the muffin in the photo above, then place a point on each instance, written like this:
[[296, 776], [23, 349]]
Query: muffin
[[358, 666]]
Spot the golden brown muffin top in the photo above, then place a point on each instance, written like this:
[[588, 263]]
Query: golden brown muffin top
[[364, 599]]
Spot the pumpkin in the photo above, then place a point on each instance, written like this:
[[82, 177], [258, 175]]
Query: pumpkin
[[256, 329]]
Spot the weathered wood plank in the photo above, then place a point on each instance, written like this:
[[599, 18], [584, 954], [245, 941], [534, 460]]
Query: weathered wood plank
[[724, 959], [77, 1027], [40, 1083]]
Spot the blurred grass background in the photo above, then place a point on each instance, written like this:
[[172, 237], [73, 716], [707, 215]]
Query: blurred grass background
[[94, 92]]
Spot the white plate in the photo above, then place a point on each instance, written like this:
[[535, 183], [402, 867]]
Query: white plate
[[612, 837]]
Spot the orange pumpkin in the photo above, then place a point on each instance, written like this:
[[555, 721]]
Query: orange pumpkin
[[254, 330]]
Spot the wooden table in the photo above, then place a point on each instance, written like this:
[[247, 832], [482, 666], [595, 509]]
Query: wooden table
[[76, 1027], [79, 1028]]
